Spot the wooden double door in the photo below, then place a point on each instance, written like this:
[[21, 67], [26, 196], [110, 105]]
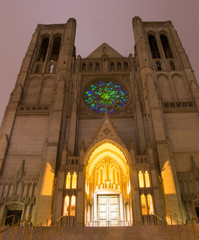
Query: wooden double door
[[108, 210]]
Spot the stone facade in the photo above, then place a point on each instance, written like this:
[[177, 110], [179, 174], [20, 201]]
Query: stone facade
[[50, 139]]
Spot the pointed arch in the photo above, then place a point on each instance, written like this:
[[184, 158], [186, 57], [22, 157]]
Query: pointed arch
[[153, 46], [141, 179], [43, 49], [107, 178], [68, 180], [102, 149], [166, 46]]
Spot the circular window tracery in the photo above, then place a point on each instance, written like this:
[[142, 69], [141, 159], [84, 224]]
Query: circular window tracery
[[104, 96]]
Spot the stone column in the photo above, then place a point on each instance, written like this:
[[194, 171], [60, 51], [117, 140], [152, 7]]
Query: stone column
[[80, 203]]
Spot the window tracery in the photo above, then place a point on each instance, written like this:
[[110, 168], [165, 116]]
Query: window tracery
[[104, 96]]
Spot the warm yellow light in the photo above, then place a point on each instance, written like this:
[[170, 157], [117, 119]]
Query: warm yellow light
[[74, 180], [48, 180], [150, 203], [68, 178], [72, 207], [141, 179], [87, 187], [129, 188], [103, 151], [113, 176], [107, 170], [147, 180], [168, 180], [66, 206], [143, 204]]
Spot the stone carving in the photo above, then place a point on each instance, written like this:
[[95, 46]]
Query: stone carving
[[178, 106], [21, 171], [34, 109], [107, 130]]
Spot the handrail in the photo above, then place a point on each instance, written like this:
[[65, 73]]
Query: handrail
[[15, 225], [61, 217], [7, 217], [44, 220], [40, 224], [192, 216], [58, 220], [156, 216]]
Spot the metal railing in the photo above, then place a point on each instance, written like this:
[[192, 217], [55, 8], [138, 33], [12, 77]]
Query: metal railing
[[174, 228], [189, 227], [113, 223]]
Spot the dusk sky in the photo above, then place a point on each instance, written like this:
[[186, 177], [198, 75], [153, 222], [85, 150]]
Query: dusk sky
[[107, 21]]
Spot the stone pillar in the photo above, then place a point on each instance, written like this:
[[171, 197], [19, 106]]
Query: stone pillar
[[135, 195], [80, 204], [158, 198]]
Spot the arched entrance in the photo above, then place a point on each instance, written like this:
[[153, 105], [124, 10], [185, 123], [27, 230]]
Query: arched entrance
[[107, 186], [13, 209]]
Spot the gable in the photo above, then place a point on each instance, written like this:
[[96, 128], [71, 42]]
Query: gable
[[105, 49], [107, 131]]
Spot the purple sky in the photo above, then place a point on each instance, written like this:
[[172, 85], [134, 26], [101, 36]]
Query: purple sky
[[98, 21]]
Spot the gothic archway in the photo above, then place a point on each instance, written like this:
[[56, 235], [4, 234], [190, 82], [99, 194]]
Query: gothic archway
[[107, 186]]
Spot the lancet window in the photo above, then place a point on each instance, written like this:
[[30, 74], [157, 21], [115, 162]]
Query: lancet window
[[74, 180], [166, 46], [112, 66], [147, 204], [141, 179], [72, 206], [56, 48], [71, 184], [126, 67], [66, 205], [69, 205], [153, 46], [43, 50], [144, 179], [68, 180]]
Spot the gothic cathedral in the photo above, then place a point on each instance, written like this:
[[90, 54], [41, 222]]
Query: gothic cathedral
[[104, 140]]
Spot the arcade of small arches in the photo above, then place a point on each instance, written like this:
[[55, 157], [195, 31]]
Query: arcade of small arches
[[108, 198], [95, 66]]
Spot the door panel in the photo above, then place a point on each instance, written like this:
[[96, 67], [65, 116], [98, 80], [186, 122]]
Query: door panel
[[108, 210]]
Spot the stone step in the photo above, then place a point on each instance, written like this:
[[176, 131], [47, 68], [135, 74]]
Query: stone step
[[105, 233]]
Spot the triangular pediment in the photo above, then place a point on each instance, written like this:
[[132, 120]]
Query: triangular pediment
[[107, 131], [103, 50]]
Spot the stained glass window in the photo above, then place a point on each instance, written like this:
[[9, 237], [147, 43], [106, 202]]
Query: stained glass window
[[104, 96]]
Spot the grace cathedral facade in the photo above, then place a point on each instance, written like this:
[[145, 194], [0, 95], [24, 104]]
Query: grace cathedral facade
[[102, 139]]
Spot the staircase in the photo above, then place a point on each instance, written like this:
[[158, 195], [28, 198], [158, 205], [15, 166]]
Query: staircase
[[106, 233]]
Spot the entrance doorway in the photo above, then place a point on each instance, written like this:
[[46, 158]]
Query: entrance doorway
[[13, 210], [16, 213], [108, 210], [107, 188]]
